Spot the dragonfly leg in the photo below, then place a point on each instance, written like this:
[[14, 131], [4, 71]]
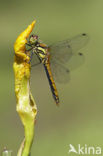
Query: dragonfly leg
[[28, 44], [31, 56], [32, 53], [38, 62], [29, 49]]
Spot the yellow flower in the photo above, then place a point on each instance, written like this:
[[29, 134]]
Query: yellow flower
[[26, 106]]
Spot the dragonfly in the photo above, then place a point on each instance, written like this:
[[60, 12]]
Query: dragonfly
[[56, 57]]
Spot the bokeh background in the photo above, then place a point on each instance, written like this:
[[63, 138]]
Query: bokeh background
[[79, 119]]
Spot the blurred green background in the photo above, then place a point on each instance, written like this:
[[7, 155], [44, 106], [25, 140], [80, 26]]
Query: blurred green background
[[79, 119]]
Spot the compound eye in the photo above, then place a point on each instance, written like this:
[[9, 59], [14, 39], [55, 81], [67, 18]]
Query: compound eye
[[32, 36], [36, 36], [33, 39]]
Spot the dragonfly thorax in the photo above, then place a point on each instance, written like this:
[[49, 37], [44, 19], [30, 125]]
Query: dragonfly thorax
[[41, 52]]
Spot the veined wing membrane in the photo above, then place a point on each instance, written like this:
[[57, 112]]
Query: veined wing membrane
[[76, 61], [64, 50], [60, 73], [60, 52], [67, 52]]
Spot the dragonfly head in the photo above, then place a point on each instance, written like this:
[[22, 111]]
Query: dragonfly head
[[33, 39]]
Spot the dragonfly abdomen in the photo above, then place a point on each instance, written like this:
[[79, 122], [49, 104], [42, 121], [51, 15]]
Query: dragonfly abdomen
[[51, 83]]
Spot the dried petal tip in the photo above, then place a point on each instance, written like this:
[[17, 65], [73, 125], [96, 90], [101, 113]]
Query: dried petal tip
[[22, 38], [30, 28]]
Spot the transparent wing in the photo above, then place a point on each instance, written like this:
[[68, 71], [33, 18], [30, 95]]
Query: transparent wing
[[67, 52], [76, 61], [60, 73], [64, 50]]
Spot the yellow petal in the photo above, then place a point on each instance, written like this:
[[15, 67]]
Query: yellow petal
[[19, 45]]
